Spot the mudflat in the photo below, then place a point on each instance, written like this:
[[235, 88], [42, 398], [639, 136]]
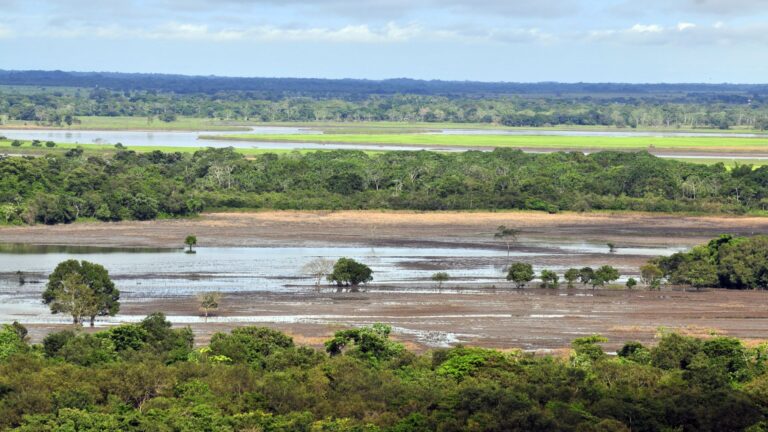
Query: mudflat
[[273, 228], [492, 315]]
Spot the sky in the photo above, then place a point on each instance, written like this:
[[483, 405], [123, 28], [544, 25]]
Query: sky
[[634, 41]]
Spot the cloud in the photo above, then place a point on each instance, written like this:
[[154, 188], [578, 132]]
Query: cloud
[[683, 33], [359, 34], [720, 7], [5, 32], [390, 9], [745, 8]]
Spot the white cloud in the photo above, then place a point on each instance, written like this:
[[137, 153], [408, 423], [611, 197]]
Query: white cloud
[[642, 28], [5, 32], [684, 33], [361, 34]]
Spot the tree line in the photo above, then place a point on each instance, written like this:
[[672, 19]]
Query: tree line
[[132, 186], [714, 111], [149, 376]]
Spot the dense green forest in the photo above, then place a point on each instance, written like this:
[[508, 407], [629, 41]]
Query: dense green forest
[[148, 377], [60, 189], [720, 111], [725, 262]]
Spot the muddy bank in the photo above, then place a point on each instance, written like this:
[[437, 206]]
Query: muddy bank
[[531, 319], [275, 228]]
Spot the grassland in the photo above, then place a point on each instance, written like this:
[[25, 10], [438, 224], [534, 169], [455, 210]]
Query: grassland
[[710, 144]]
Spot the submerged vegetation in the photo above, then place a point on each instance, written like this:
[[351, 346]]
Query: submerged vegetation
[[148, 376], [62, 189]]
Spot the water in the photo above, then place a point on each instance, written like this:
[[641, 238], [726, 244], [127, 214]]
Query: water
[[171, 272], [188, 139], [192, 139], [151, 274]]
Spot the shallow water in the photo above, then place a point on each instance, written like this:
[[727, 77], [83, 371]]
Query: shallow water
[[192, 139]]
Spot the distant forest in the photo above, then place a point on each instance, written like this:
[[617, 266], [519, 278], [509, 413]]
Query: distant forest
[[59, 98], [316, 87]]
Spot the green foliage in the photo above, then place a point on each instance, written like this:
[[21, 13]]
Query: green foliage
[[348, 272], [571, 276], [249, 344], [370, 343], [461, 362], [604, 275], [549, 279], [631, 283], [725, 262], [588, 348], [10, 342], [128, 185], [190, 241], [85, 383], [82, 289], [440, 278], [520, 274]]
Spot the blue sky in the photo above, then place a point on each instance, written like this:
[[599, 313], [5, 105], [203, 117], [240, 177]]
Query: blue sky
[[485, 40]]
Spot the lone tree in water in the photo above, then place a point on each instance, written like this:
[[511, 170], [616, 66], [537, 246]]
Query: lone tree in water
[[190, 241], [520, 274], [440, 277], [508, 235], [209, 302], [348, 272], [83, 290]]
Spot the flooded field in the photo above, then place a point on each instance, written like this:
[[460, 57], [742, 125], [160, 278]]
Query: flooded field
[[255, 260], [193, 139]]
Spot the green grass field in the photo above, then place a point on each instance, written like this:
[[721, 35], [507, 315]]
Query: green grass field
[[198, 124], [544, 142]]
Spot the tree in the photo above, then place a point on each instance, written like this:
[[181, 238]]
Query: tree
[[696, 273], [82, 289], [650, 275], [72, 296], [440, 278], [508, 235], [190, 241], [318, 268], [631, 283], [586, 275], [348, 272], [611, 247], [549, 279], [209, 302], [520, 274], [603, 275], [571, 275]]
